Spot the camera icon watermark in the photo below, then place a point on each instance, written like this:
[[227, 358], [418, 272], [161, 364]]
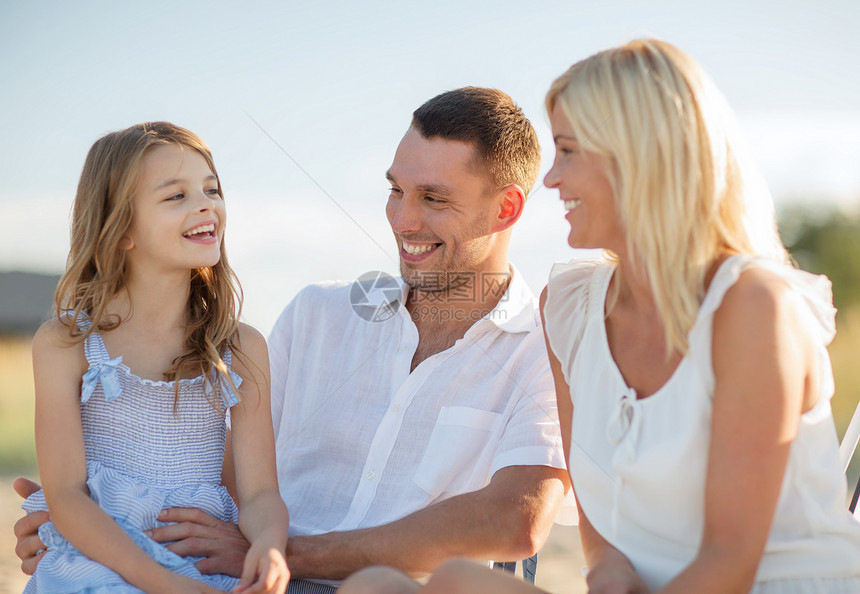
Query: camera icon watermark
[[375, 296], [437, 295]]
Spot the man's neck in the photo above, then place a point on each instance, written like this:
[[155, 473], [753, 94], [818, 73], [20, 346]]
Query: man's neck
[[443, 317]]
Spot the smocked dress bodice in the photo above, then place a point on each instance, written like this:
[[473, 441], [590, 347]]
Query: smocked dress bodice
[[639, 465], [145, 451]]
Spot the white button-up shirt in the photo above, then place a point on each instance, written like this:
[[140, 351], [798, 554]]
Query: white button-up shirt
[[361, 441]]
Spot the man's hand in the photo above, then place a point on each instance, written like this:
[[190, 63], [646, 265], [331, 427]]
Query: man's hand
[[29, 546], [198, 534]]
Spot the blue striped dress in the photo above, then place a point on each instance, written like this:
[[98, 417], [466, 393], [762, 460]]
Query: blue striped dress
[[142, 456]]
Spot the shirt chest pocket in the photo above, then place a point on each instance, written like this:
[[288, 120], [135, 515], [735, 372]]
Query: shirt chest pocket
[[457, 453]]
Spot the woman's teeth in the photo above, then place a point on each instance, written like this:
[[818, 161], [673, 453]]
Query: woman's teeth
[[571, 204]]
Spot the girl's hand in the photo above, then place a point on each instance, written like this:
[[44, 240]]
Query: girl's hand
[[265, 571]]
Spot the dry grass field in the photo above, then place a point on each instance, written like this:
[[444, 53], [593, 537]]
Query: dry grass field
[[560, 561]]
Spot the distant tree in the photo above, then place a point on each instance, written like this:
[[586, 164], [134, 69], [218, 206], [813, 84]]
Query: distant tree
[[826, 241]]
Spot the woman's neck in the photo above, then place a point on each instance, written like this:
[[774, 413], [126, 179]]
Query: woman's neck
[[633, 287]]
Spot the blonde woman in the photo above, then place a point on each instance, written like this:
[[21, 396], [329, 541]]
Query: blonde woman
[[135, 373], [690, 362]]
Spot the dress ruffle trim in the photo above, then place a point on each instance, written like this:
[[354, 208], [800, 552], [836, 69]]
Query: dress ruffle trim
[[105, 372], [134, 506]]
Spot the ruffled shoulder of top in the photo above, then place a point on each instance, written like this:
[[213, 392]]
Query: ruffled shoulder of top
[[568, 299], [815, 289]]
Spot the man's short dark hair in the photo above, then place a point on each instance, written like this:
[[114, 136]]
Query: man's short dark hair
[[506, 144]]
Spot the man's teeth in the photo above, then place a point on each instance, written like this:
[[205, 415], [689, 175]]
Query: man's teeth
[[570, 204], [210, 228], [418, 248]]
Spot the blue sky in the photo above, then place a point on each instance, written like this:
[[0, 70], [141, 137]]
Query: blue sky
[[335, 83]]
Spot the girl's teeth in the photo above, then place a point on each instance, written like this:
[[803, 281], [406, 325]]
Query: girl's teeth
[[570, 204], [201, 229]]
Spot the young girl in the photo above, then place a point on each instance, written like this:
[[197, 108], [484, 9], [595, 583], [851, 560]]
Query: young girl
[[134, 376]]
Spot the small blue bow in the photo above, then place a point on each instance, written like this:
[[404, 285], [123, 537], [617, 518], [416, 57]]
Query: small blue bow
[[104, 372], [228, 396]]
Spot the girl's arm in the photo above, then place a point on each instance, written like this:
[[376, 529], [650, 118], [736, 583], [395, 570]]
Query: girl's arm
[[263, 516], [58, 365], [765, 365], [608, 569]]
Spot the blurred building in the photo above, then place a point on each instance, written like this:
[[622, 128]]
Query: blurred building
[[26, 299]]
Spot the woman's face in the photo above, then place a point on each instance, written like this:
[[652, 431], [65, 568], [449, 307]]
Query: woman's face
[[581, 180]]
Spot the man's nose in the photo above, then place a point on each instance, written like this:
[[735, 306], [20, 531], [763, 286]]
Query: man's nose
[[404, 215]]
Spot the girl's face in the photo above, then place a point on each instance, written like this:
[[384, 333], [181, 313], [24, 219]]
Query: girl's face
[[581, 180], [179, 214]]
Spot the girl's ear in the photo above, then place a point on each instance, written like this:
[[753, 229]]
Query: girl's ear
[[126, 243]]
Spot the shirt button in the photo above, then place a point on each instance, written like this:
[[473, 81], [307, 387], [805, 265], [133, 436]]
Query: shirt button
[[396, 408], [370, 475], [404, 349]]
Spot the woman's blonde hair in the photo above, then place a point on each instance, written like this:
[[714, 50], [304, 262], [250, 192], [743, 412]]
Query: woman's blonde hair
[[684, 188], [96, 267]]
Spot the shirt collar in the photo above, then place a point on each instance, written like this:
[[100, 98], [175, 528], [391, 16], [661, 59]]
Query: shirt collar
[[516, 311]]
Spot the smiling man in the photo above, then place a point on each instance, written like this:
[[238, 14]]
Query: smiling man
[[431, 431]]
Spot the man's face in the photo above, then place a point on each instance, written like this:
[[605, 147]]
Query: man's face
[[440, 210]]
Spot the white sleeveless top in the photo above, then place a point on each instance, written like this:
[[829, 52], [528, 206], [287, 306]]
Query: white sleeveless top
[[638, 466]]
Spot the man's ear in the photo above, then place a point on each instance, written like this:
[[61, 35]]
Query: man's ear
[[511, 200]]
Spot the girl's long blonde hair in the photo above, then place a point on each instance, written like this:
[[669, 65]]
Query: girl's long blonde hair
[[96, 266], [684, 188]]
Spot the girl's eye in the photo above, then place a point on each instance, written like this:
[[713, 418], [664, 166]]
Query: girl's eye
[[213, 192], [179, 196]]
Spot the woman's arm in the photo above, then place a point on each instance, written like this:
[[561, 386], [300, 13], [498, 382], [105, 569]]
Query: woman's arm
[[608, 569], [58, 366], [263, 516], [764, 363]]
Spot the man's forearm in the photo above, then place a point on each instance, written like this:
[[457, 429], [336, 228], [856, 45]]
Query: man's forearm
[[507, 520]]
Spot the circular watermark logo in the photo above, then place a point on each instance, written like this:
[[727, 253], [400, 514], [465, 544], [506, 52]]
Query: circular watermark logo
[[375, 296]]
